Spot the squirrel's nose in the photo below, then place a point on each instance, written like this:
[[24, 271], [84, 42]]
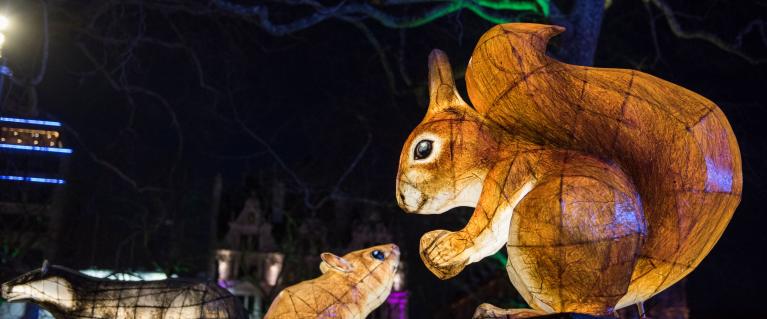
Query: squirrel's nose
[[395, 249]]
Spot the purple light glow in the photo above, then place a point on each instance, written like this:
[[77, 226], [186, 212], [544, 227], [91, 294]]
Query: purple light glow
[[223, 283], [718, 179], [397, 302]]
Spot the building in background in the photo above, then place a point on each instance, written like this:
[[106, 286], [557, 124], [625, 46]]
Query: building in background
[[33, 162], [250, 264]]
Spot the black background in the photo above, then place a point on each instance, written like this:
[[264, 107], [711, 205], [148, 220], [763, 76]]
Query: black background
[[316, 96]]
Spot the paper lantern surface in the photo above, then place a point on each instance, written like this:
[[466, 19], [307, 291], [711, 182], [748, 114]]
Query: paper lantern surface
[[350, 287], [606, 185], [66, 293]]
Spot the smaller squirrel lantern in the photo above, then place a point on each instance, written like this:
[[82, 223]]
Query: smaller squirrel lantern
[[350, 287]]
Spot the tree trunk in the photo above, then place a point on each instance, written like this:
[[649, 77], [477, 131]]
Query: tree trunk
[[578, 43]]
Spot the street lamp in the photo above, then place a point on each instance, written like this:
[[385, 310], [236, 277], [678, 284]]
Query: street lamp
[[4, 24], [5, 71]]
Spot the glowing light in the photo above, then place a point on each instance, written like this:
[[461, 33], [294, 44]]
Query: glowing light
[[226, 283], [397, 301], [134, 276], [273, 268], [228, 264], [4, 23], [45, 180], [399, 278], [500, 258], [32, 179], [2, 39], [38, 148], [718, 179], [29, 121]]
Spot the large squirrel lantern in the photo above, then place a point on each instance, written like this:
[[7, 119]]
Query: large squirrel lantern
[[606, 185]]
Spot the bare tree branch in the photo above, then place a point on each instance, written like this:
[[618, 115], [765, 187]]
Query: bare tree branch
[[342, 178], [129, 91], [44, 58], [345, 10], [114, 169], [381, 54], [677, 30], [653, 32]]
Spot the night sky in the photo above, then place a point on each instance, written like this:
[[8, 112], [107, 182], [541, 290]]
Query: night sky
[[158, 100]]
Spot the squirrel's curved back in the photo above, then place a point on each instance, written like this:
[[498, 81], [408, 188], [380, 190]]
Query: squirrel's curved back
[[676, 145]]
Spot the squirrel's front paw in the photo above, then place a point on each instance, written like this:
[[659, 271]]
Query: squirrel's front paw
[[445, 253]]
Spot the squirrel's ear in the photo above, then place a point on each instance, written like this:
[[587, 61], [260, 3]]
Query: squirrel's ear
[[330, 261], [442, 91], [45, 267]]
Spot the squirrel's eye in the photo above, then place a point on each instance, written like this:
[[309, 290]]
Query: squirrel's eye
[[422, 149], [377, 254]]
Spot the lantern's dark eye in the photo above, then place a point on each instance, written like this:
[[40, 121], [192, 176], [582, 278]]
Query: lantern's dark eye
[[422, 149], [377, 254]]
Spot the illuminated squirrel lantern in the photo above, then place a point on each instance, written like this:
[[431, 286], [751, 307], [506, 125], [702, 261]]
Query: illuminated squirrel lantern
[[66, 293], [351, 286], [606, 185]]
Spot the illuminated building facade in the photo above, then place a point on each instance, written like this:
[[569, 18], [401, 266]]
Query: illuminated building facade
[[32, 152], [33, 160]]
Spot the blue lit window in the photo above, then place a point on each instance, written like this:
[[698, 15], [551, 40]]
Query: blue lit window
[[29, 121], [32, 179], [37, 148]]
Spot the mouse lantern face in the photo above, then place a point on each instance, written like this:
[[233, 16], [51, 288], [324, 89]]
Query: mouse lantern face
[[386, 256]]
